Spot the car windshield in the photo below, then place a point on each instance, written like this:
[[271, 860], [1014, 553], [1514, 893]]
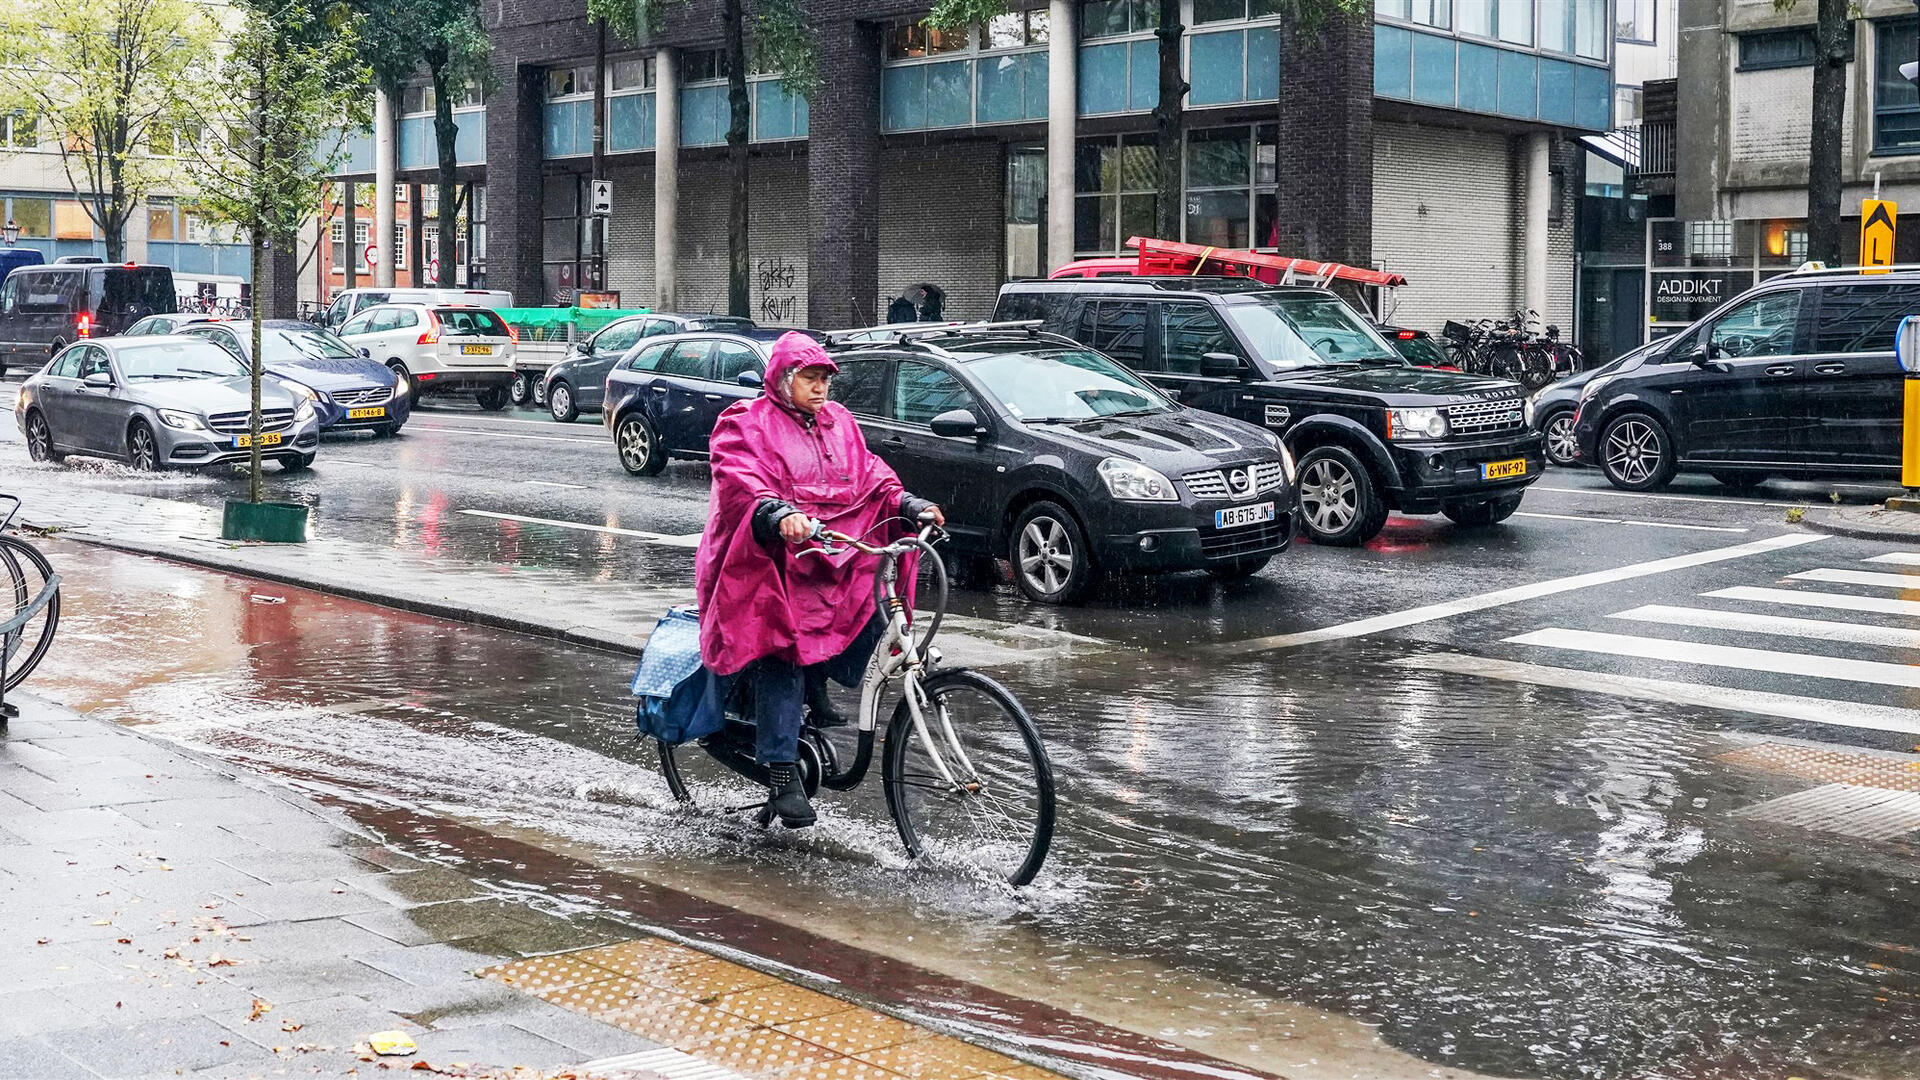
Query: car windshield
[[1423, 351], [721, 323], [282, 346], [1066, 385], [471, 321], [182, 358], [1309, 331]]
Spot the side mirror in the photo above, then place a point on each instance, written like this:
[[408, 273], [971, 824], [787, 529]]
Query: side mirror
[[1906, 344], [366, 352], [750, 378], [958, 424], [1220, 365], [99, 379]]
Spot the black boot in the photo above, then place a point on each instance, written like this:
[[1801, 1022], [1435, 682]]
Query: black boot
[[788, 799], [820, 710]]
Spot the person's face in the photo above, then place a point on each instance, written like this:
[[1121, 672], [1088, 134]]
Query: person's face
[[810, 389]]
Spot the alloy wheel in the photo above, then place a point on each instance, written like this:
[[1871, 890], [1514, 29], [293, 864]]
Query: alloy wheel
[[142, 453], [1046, 555], [636, 445], [1328, 496], [1561, 444], [1633, 451], [39, 439]]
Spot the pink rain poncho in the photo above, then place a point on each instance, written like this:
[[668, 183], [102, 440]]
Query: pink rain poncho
[[760, 600]]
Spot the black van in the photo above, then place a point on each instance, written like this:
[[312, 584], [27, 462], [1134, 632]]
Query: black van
[[43, 309]]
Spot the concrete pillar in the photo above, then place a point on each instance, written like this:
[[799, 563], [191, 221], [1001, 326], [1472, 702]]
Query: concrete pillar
[[666, 177], [516, 155], [1326, 141], [1063, 113], [1539, 184], [843, 182], [385, 166]]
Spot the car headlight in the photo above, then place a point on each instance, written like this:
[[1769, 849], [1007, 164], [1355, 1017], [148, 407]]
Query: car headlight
[[1422, 423], [1526, 410], [1286, 463], [303, 412], [1134, 482], [1593, 387], [184, 421]]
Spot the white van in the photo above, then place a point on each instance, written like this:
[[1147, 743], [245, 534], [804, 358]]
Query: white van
[[350, 302]]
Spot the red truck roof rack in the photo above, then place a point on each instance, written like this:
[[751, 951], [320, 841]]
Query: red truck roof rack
[[1175, 259]]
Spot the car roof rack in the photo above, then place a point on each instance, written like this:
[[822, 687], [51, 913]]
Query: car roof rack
[[917, 337], [1817, 267]]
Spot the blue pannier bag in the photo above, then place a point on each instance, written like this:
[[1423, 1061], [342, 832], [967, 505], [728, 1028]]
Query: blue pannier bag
[[679, 698]]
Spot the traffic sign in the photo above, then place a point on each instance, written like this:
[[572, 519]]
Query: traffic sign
[[602, 198], [371, 256], [433, 269], [1876, 233]]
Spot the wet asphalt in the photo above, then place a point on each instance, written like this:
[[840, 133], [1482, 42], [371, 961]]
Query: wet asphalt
[[1469, 844]]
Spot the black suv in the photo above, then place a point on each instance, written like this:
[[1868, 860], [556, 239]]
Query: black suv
[[43, 309], [1371, 432], [1796, 377], [1064, 463]]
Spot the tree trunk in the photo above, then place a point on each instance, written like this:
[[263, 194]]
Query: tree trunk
[[253, 421], [599, 279], [1833, 49], [444, 133], [739, 300], [1169, 126]]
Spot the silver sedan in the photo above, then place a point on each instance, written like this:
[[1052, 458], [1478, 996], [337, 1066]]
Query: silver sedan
[[161, 402]]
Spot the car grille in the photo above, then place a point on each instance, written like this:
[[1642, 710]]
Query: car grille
[[363, 395], [1245, 540], [1482, 417], [238, 423], [1212, 484]]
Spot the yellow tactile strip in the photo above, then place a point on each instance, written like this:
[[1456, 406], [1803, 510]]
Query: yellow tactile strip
[[1831, 766], [741, 1019]]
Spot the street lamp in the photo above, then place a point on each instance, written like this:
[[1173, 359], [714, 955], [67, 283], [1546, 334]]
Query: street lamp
[[11, 233]]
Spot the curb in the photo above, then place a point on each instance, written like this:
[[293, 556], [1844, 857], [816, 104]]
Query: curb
[[1896, 530], [450, 612]]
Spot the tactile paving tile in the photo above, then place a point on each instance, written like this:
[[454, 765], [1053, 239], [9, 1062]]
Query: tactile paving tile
[[853, 1031], [836, 1068], [640, 956], [707, 979], [669, 1018], [938, 1058], [1024, 1072], [758, 1051], [536, 973], [1895, 772], [777, 1004]]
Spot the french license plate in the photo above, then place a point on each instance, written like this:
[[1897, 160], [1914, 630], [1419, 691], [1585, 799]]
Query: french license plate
[[1235, 516], [267, 438], [476, 350], [372, 413], [1500, 470]]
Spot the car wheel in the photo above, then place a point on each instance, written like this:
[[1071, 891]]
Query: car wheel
[[40, 439], [639, 446], [539, 392], [297, 463], [520, 390], [1239, 569], [1740, 481], [143, 450], [1481, 512], [560, 403], [1636, 454], [1338, 499], [1052, 562], [492, 399], [1561, 443]]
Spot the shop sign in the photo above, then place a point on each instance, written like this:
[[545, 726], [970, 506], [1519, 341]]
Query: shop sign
[[1683, 296]]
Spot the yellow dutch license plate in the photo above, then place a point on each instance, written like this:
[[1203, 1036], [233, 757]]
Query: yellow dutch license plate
[[367, 414], [1500, 470], [269, 438], [476, 350]]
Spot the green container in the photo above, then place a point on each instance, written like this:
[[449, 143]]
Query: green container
[[280, 523]]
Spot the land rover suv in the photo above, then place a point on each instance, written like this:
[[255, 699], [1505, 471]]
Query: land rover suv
[[1372, 433]]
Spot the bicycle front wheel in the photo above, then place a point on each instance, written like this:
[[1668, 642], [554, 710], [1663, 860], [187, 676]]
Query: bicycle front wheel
[[28, 573], [972, 785]]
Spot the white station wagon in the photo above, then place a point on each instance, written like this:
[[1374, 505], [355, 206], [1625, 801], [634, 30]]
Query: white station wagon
[[439, 348]]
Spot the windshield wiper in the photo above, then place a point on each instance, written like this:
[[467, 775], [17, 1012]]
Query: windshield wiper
[[158, 375], [1058, 419], [204, 371]]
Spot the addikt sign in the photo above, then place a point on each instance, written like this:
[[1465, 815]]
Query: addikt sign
[[1687, 296]]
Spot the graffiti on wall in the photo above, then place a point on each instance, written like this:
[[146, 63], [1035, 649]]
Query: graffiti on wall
[[776, 300]]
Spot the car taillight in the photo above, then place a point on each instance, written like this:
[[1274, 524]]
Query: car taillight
[[432, 335], [1407, 335], [513, 333], [83, 326]]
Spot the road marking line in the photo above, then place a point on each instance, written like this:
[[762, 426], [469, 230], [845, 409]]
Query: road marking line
[[555, 484], [564, 524], [1501, 597], [1779, 625], [1622, 521], [1859, 577], [1837, 601], [1670, 498], [1900, 558], [1770, 661], [1850, 714], [454, 418], [503, 435]]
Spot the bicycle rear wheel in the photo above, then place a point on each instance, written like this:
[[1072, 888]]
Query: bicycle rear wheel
[[992, 807], [28, 572], [725, 777]]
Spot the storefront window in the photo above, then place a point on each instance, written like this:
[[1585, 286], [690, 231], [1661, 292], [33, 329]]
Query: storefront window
[[1026, 211], [1116, 179]]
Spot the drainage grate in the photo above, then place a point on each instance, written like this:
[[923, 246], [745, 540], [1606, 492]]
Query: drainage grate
[[1868, 813], [1832, 765]]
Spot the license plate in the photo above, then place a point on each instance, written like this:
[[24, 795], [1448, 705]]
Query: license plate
[[367, 414], [476, 350], [267, 438], [1500, 470], [1235, 516]]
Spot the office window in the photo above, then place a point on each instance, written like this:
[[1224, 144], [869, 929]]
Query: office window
[[1219, 171], [568, 81], [1115, 179], [19, 131], [912, 40], [1590, 31], [1634, 21], [71, 222], [702, 65], [1111, 18], [633, 73], [1896, 102], [1016, 29], [1776, 49], [1514, 21], [417, 98], [1438, 13], [1626, 104], [34, 216], [159, 220]]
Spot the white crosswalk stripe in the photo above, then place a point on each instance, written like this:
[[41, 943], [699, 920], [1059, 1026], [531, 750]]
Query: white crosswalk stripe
[[1726, 656], [1879, 605], [1859, 577], [1898, 558], [1778, 625]]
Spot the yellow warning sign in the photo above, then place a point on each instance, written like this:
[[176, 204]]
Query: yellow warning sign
[[1876, 233]]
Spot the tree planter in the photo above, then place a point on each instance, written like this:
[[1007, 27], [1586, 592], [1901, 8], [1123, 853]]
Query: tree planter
[[280, 523]]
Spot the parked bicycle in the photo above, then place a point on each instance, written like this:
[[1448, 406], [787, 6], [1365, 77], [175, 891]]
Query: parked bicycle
[[1517, 348], [32, 612], [966, 776]]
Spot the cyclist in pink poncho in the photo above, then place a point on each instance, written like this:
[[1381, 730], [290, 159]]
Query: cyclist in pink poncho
[[782, 461]]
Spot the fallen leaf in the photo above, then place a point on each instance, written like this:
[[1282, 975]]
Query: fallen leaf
[[103, 922], [42, 941], [124, 940], [216, 960], [170, 954], [290, 1026], [260, 1009]]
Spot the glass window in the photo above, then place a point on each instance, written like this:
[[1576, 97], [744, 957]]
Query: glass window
[[67, 366], [160, 221], [34, 216], [633, 73], [1515, 19], [702, 65], [1218, 158], [118, 288], [692, 359], [922, 392], [1590, 31], [51, 291], [648, 359], [1476, 17], [1763, 326], [1107, 18], [471, 321], [1219, 219], [1016, 29], [22, 132], [912, 40], [1306, 330], [1206, 11], [176, 356], [859, 384], [1426, 12], [1776, 49], [1862, 318], [1634, 21], [359, 324], [403, 318], [619, 337], [1117, 328], [733, 360], [71, 222], [1189, 332], [1896, 101], [93, 361], [1067, 385], [559, 82]]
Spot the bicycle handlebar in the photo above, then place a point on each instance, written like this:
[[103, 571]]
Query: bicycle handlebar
[[827, 538]]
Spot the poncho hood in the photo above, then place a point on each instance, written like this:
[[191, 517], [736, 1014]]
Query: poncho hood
[[791, 353]]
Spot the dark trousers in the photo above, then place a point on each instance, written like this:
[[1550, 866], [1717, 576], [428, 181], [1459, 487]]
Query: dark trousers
[[781, 690]]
